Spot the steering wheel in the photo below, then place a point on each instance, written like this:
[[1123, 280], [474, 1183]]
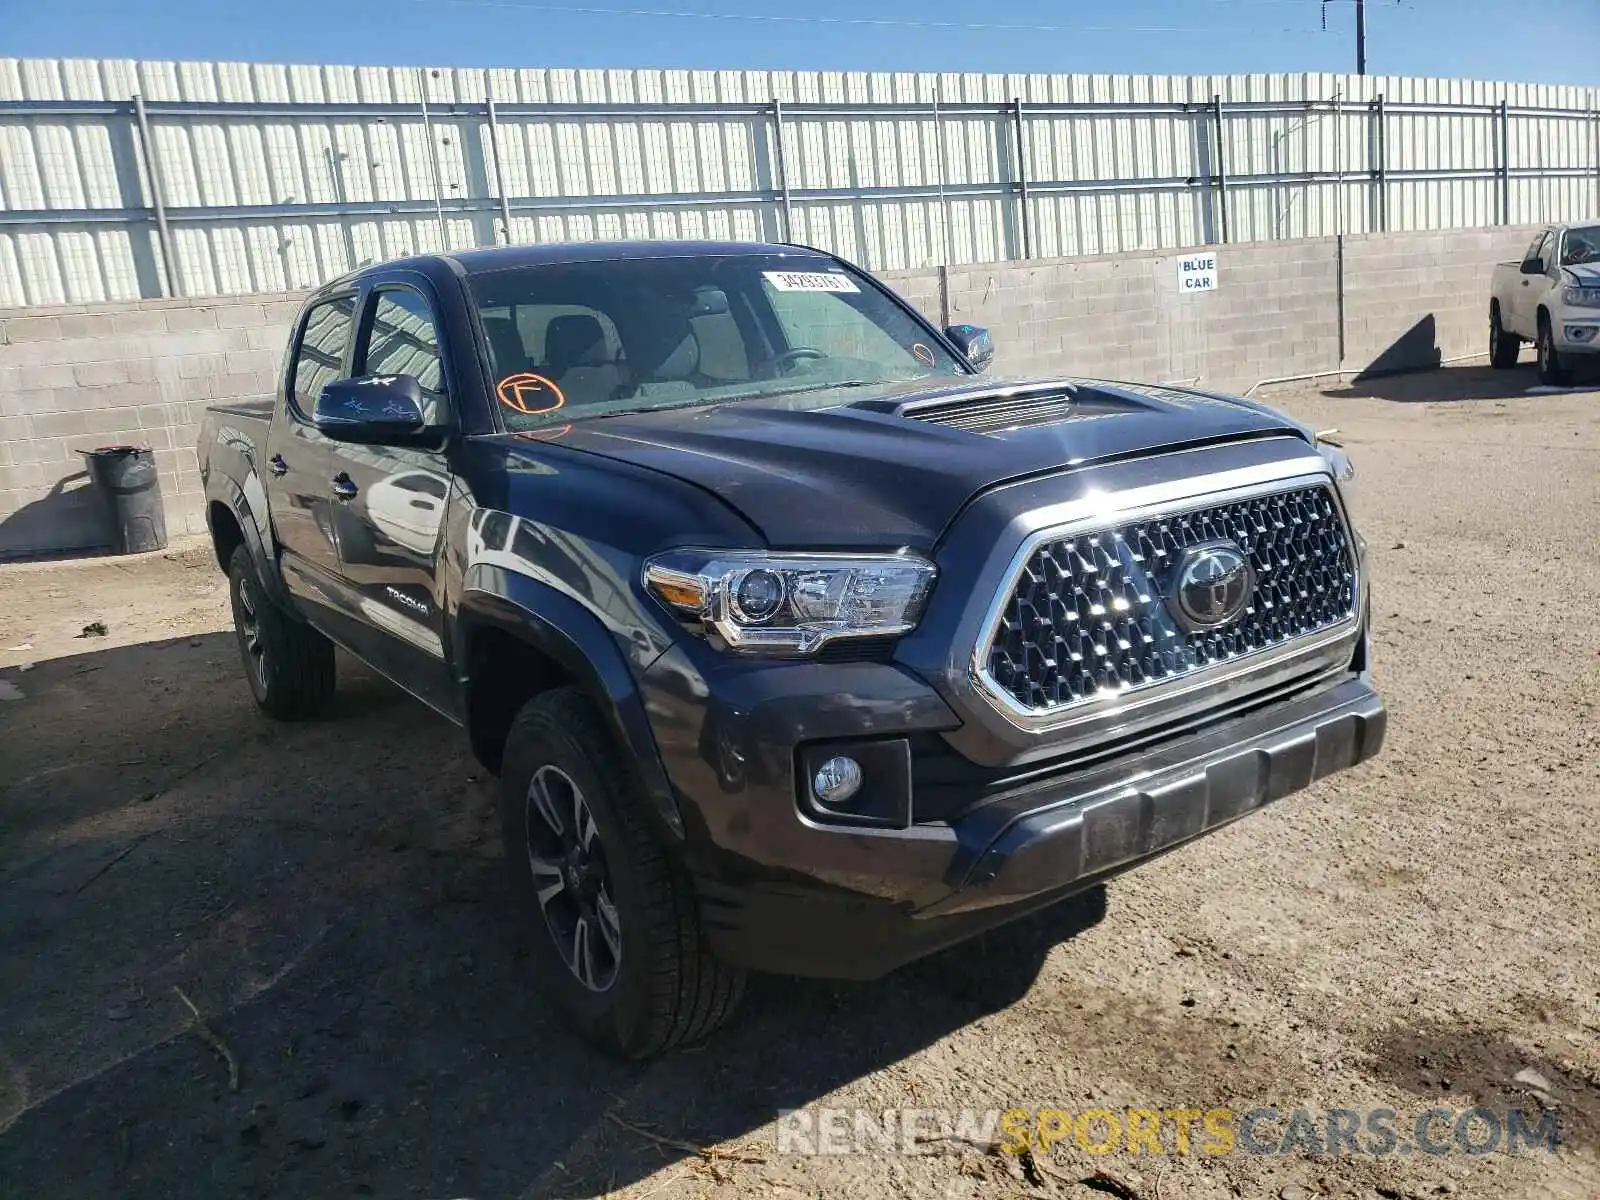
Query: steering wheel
[[799, 354]]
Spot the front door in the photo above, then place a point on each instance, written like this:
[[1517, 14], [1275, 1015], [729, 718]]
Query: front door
[[390, 518], [1530, 289], [299, 467]]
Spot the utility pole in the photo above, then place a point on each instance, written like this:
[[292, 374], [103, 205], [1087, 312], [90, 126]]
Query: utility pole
[[1361, 37]]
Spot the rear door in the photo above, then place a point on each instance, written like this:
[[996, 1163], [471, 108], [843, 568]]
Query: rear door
[[391, 517], [299, 468]]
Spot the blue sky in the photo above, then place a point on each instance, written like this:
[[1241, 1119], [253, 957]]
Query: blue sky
[[1550, 41]]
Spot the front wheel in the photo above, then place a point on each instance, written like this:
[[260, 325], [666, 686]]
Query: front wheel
[[1503, 347], [617, 940], [1552, 372], [289, 665]]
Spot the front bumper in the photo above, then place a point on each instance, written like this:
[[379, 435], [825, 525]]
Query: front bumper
[[782, 893], [1577, 332]]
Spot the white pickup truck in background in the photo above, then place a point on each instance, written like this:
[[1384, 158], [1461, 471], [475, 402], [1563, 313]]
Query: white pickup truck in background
[[1550, 298]]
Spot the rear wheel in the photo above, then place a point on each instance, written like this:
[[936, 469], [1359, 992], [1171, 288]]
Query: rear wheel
[[288, 664], [617, 939], [1552, 371], [1503, 347]]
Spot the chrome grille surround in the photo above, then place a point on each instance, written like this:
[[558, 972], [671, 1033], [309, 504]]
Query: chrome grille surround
[[1303, 618]]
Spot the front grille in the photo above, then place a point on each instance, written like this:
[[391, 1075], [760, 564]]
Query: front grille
[[1087, 616]]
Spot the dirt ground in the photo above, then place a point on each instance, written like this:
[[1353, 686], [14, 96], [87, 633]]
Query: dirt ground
[[1413, 933]]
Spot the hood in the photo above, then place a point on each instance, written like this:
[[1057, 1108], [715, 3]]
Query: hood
[[1583, 275], [891, 468]]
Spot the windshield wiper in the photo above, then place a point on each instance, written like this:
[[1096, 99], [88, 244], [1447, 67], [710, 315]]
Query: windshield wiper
[[823, 387], [698, 402], [707, 402]]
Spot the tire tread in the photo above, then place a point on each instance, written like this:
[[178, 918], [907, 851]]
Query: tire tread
[[692, 992], [300, 661]]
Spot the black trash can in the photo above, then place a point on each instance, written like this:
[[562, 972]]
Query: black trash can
[[125, 478]]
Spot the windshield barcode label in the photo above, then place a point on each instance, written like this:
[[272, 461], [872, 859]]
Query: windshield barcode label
[[810, 281]]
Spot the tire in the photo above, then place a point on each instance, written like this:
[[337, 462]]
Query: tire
[[1503, 347], [288, 664], [1551, 371], [643, 980]]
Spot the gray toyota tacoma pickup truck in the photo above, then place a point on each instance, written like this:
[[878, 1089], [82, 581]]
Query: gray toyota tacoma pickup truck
[[797, 643]]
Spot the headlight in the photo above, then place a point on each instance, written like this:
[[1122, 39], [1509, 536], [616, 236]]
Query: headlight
[[1581, 297], [792, 604], [1344, 471]]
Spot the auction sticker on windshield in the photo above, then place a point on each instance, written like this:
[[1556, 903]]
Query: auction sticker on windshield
[[810, 281]]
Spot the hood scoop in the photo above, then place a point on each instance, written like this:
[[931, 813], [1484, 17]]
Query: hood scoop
[[997, 414], [1075, 400]]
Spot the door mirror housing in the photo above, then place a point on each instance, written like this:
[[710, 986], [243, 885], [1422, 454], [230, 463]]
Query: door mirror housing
[[377, 409], [974, 342], [1533, 266]]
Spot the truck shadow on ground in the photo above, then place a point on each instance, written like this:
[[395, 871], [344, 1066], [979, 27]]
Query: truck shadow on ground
[[331, 898]]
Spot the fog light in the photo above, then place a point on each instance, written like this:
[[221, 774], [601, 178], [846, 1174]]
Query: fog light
[[1581, 333], [837, 780]]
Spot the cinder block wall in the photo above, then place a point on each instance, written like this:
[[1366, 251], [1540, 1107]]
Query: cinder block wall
[[1410, 300], [77, 377], [74, 378], [1403, 290]]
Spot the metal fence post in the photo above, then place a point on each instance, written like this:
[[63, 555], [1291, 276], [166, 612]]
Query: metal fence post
[[1383, 167], [1026, 219], [1505, 164], [781, 161], [944, 204], [152, 166], [499, 175], [433, 160], [1221, 168]]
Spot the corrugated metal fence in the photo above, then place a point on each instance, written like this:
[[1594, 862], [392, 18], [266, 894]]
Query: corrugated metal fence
[[121, 179]]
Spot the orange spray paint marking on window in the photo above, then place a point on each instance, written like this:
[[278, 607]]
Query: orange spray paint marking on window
[[529, 394]]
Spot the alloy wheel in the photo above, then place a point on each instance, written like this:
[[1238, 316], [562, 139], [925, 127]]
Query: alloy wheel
[[572, 879], [249, 619]]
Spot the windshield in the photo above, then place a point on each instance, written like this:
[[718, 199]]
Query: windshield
[[1581, 246], [586, 339]]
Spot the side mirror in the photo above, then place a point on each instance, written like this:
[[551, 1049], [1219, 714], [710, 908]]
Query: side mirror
[[373, 408], [1533, 266], [974, 343]]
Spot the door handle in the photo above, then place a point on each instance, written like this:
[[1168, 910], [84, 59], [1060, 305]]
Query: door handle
[[1524, 283], [278, 466], [344, 487]]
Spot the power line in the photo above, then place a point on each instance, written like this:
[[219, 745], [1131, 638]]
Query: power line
[[809, 19]]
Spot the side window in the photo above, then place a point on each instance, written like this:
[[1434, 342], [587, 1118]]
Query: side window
[[1543, 247], [403, 340], [319, 360]]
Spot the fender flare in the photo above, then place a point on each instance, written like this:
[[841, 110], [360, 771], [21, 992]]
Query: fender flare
[[571, 635], [234, 499]]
